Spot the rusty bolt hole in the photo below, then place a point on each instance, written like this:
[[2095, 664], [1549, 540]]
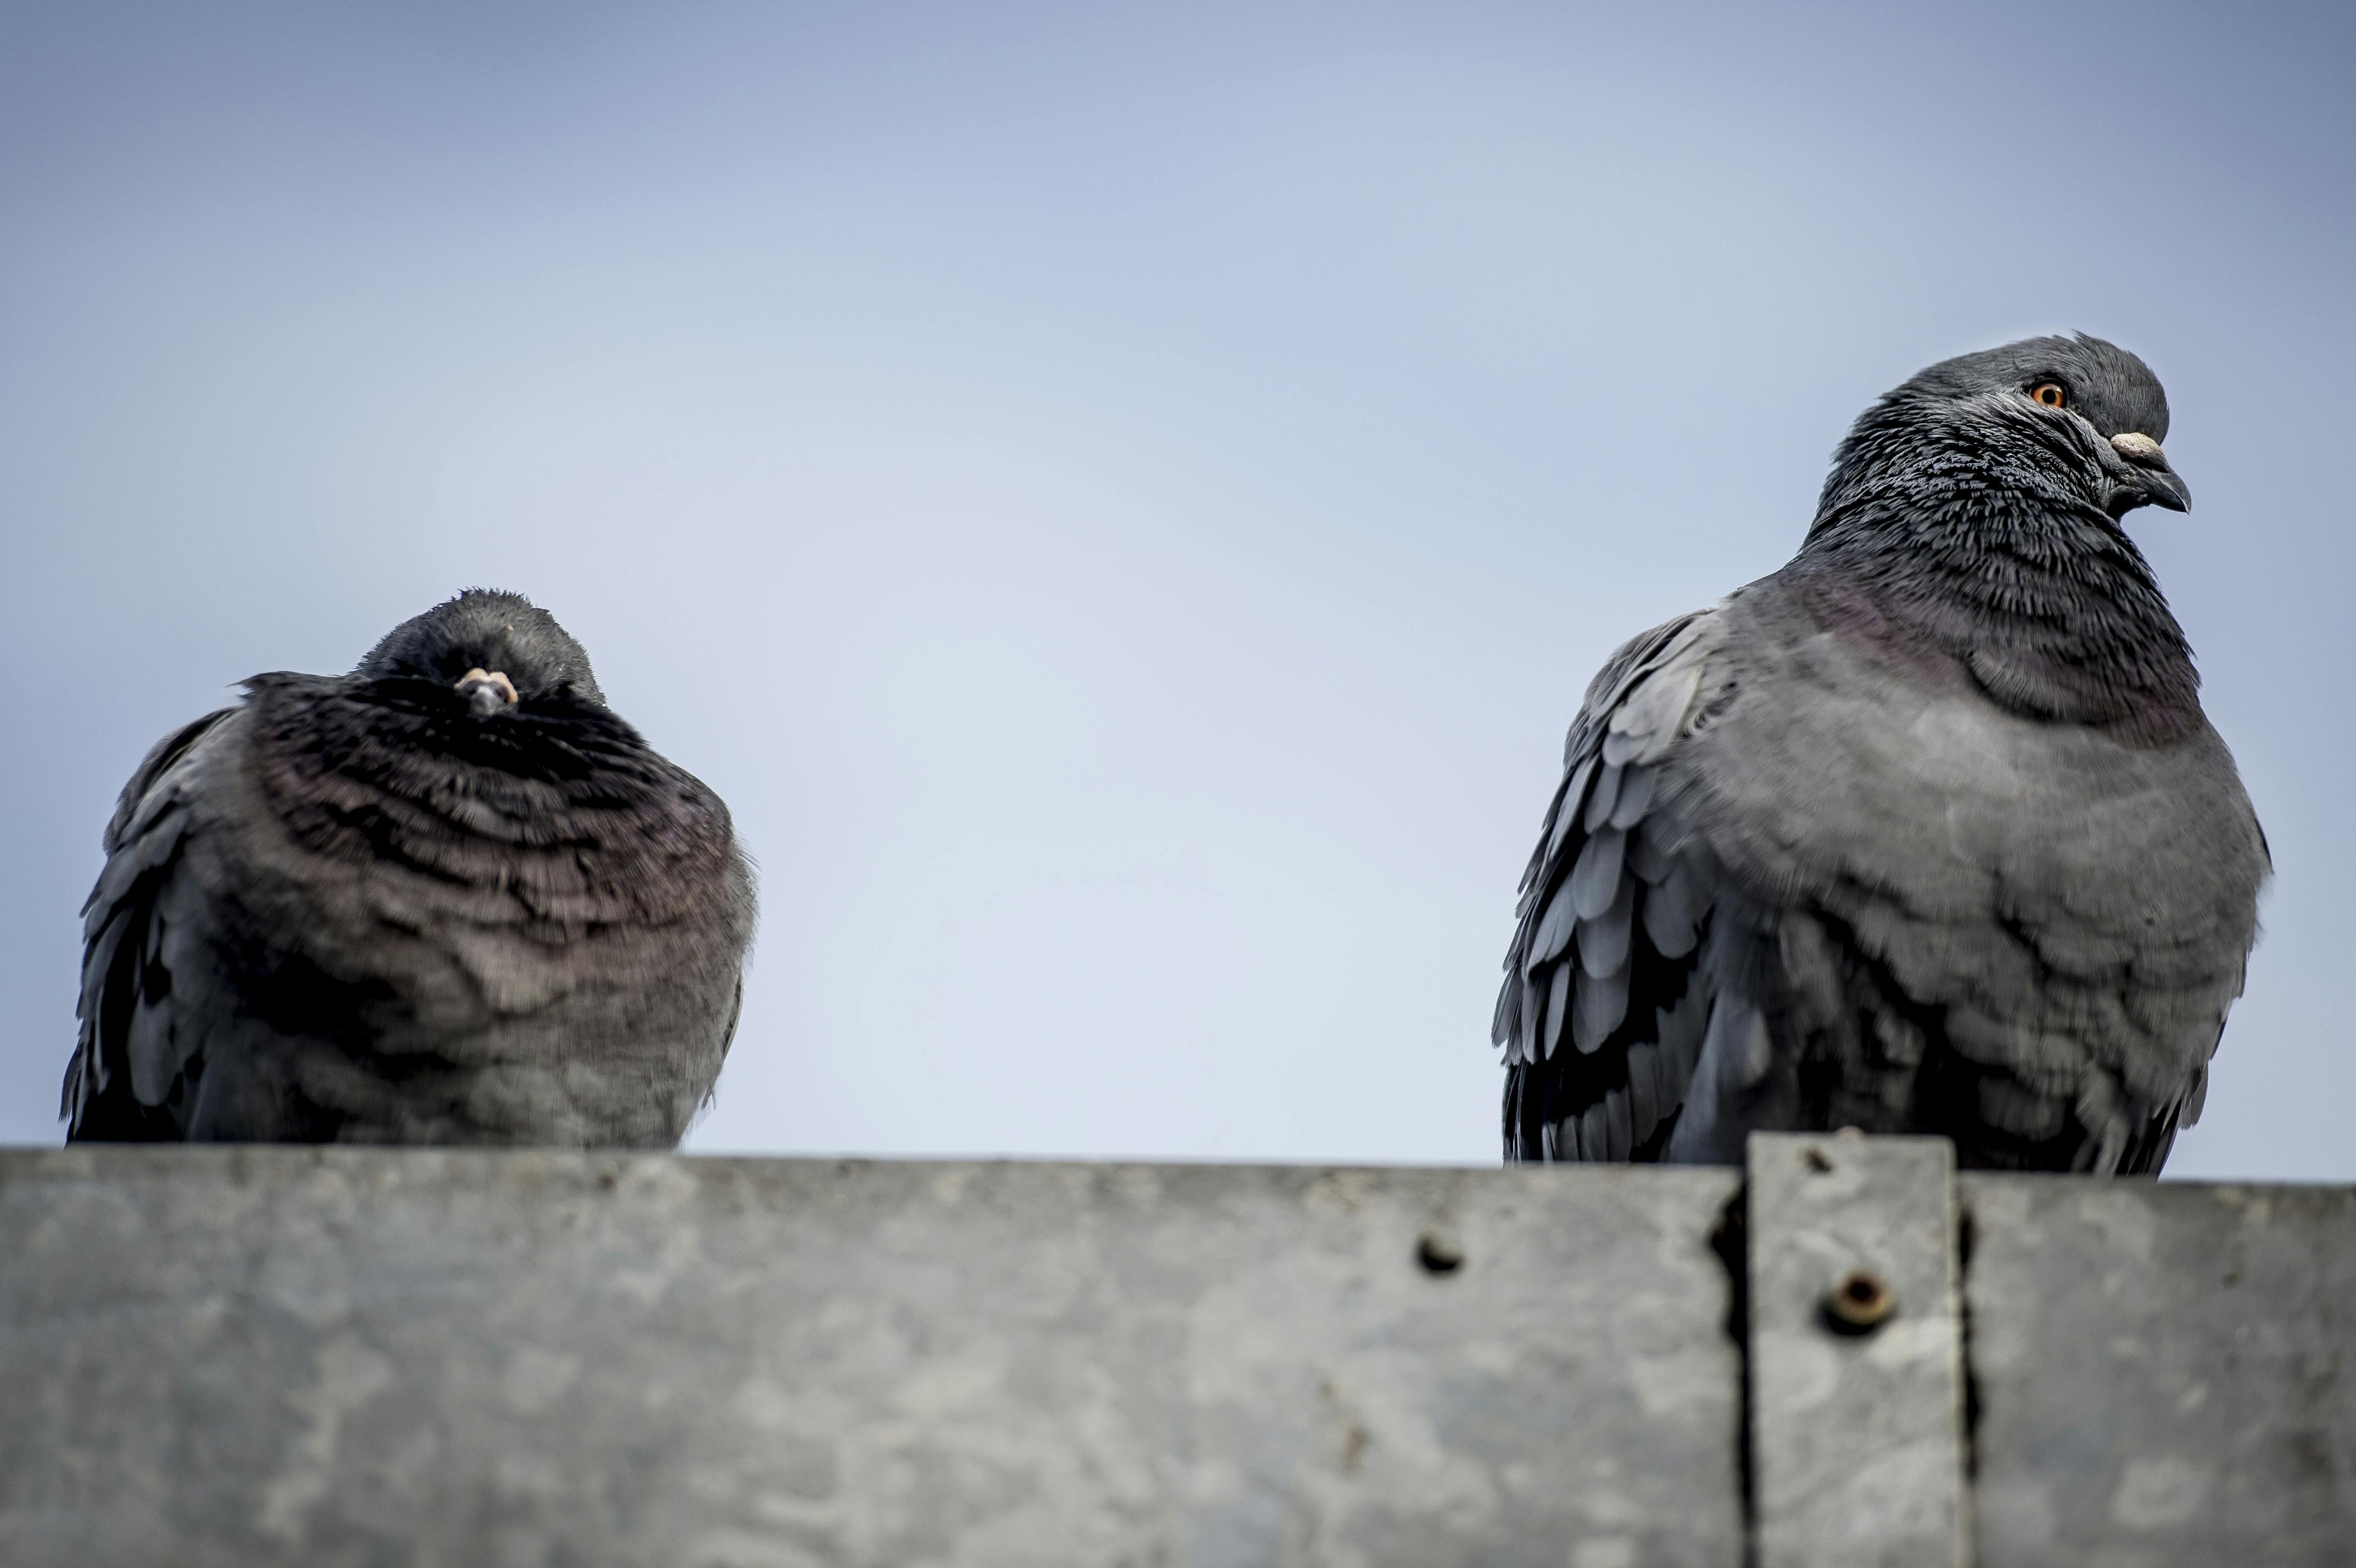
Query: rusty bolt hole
[[1437, 1254], [1859, 1302]]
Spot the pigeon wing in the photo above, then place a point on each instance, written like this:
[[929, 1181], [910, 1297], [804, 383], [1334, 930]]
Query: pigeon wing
[[128, 1076], [1607, 997]]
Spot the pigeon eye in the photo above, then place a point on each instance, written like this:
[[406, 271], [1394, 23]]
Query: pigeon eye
[[2049, 394]]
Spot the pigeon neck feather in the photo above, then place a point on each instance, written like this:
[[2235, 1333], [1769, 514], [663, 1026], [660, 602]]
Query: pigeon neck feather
[[2033, 592], [567, 814]]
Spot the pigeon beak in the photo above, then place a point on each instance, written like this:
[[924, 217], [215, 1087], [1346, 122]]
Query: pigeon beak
[[486, 691], [2154, 480]]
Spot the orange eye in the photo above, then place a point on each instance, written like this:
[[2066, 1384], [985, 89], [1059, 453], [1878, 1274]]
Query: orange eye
[[2048, 393]]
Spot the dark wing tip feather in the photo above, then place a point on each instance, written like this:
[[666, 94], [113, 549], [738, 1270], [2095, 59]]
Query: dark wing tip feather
[[96, 1101], [1585, 984]]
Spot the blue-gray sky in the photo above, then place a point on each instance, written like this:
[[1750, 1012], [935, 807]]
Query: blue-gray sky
[[1123, 501]]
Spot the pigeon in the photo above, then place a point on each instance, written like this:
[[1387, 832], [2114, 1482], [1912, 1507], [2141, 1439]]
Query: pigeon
[[1925, 833], [449, 898]]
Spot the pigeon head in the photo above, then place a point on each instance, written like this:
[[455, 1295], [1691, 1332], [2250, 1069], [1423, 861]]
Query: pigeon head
[[494, 649], [1973, 515], [2062, 423]]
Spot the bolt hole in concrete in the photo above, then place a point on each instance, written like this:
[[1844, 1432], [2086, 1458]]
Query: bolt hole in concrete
[[1437, 1254], [1859, 1302]]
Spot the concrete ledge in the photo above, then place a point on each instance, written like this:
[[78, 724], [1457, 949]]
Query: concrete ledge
[[2164, 1374], [254, 1355]]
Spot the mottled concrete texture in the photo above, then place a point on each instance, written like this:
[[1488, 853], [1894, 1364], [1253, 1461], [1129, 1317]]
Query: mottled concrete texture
[[2165, 1375], [1857, 1422], [237, 1356], [342, 1357]]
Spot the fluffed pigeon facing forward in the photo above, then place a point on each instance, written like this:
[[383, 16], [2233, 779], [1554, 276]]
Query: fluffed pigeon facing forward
[[1925, 833], [448, 898]]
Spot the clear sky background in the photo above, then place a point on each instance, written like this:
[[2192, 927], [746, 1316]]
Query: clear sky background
[[1123, 500]]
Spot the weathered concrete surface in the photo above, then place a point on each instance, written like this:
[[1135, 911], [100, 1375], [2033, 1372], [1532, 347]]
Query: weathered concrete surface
[[237, 1356], [2165, 1375], [1856, 1428]]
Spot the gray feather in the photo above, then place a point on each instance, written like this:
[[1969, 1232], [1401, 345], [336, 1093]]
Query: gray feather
[[1595, 880], [1595, 1134], [1569, 809], [1673, 912], [1648, 722], [1600, 800], [1643, 1096], [1553, 934], [1736, 1047], [1616, 1124], [1646, 858], [1603, 941], [1681, 1029], [1599, 1005], [1558, 1004], [1634, 797]]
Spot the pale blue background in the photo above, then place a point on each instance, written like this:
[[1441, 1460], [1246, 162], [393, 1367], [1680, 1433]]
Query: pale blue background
[[1123, 500]]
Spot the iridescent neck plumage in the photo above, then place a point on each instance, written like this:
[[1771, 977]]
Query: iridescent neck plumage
[[2038, 594]]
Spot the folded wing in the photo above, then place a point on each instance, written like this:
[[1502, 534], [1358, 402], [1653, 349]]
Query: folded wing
[[138, 1049], [1609, 995]]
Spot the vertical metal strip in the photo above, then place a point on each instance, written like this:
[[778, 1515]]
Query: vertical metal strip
[[1855, 1355]]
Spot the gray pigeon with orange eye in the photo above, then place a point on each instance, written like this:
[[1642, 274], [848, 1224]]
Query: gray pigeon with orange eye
[[1924, 833], [450, 897]]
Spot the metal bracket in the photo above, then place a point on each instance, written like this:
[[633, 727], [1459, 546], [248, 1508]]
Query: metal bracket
[[1855, 1353]]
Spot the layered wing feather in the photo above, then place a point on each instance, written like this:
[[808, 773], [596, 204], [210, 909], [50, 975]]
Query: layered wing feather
[[1610, 986], [138, 1048], [1790, 881]]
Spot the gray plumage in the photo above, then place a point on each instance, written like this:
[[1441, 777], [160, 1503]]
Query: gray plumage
[[448, 898], [1924, 833]]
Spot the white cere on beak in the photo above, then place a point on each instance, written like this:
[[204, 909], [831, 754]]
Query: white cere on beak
[[487, 690], [2138, 448]]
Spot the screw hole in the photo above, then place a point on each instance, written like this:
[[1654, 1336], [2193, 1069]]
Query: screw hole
[[1437, 1254], [1859, 1302]]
